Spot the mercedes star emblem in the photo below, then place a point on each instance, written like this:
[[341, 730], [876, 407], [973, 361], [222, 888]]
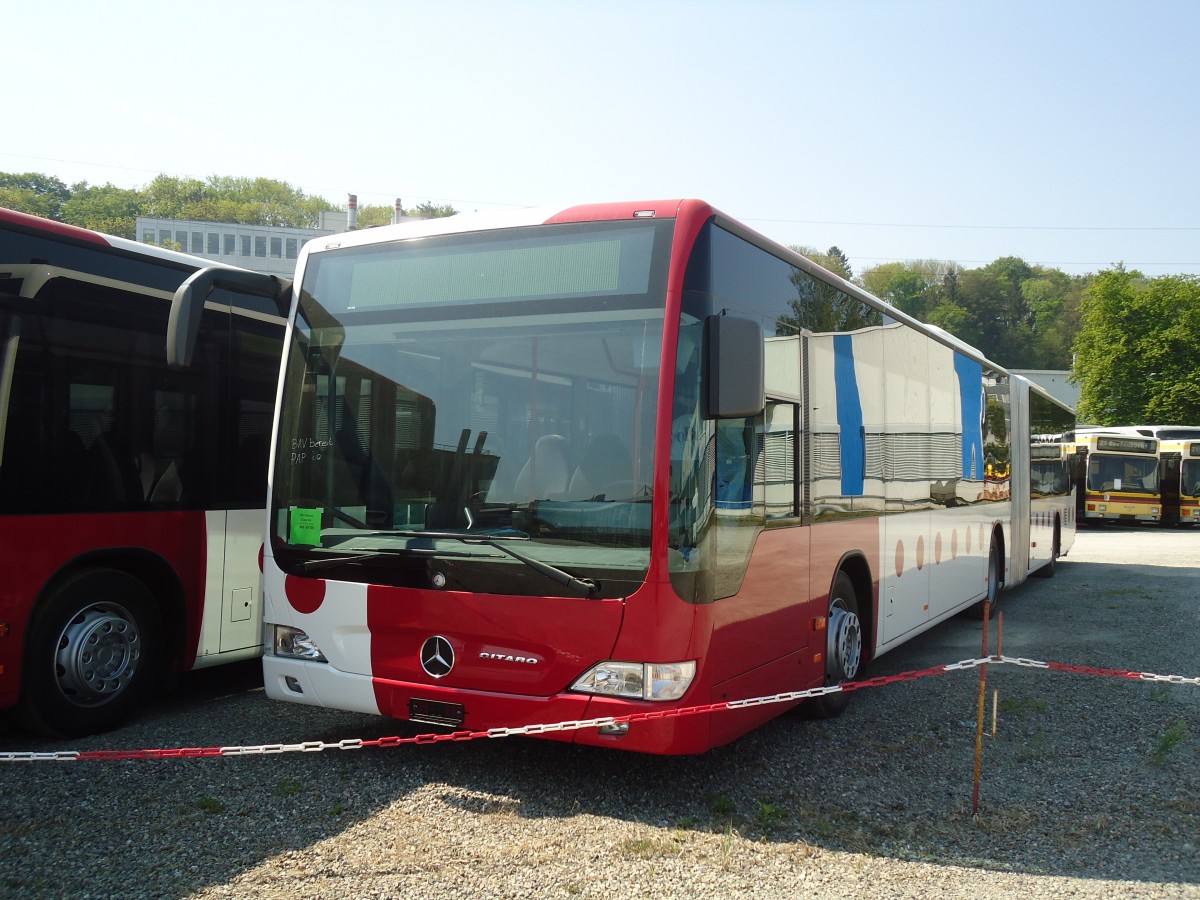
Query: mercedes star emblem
[[437, 656]]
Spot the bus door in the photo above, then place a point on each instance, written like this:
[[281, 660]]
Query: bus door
[[1169, 464], [246, 347]]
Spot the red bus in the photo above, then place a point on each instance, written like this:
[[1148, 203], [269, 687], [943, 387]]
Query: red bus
[[556, 465], [131, 494]]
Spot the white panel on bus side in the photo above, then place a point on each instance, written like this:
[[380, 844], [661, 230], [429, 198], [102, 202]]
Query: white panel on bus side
[[241, 598], [214, 581], [231, 624]]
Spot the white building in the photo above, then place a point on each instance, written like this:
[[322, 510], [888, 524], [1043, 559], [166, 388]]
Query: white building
[[262, 248]]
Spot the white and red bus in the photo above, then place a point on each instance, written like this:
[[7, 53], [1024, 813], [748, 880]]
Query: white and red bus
[[557, 465], [131, 494]]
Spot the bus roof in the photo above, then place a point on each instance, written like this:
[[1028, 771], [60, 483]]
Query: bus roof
[[464, 223], [19, 221]]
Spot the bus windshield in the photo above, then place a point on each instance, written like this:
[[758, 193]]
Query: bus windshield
[[1117, 472], [478, 401], [1189, 482]]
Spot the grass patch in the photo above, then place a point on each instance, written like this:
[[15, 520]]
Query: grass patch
[[1168, 741], [651, 847], [1022, 705], [288, 788], [210, 805]]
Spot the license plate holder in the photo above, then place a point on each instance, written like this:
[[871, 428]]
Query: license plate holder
[[436, 712]]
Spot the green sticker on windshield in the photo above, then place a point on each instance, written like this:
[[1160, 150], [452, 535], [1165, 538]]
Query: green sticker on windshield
[[304, 526]]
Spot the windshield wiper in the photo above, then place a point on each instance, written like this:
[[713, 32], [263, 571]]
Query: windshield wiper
[[328, 562], [584, 587]]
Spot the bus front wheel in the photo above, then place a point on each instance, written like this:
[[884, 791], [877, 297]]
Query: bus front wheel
[[92, 656], [843, 648]]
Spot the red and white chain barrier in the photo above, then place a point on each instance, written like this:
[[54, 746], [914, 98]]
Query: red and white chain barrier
[[578, 724]]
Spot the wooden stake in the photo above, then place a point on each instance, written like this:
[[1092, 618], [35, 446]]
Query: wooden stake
[[980, 705]]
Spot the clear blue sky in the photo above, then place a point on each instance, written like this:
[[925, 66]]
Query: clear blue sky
[[1066, 132]]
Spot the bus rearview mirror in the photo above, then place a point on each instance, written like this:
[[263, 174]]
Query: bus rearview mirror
[[734, 367]]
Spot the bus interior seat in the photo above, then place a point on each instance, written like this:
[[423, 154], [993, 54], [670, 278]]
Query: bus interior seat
[[113, 474], [362, 479], [606, 461], [546, 472], [168, 487]]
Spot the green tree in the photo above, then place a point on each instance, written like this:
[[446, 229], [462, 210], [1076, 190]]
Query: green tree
[[999, 314], [371, 216], [105, 208], [917, 287], [1135, 352], [33, 193], [247, 201], [429, 210], [820, 306]]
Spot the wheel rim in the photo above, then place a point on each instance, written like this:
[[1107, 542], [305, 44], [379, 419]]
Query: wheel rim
[[98, 654], [843, 643]]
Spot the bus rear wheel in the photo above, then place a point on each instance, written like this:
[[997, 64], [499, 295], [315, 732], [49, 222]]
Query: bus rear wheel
[[995, 581], [1051, 565], [93, 654], [843, 649]]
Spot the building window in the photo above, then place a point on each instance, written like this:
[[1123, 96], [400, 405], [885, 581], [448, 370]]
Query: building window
[[276, 248], [214, 244], [148, 236], [181, 239], [260, 245], [197, 241], [230, 244], [292, 249], [245, 245]]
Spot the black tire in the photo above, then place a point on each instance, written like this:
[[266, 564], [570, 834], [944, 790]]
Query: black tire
[[1051, 566], [93, 655], [995, 582], [843, 649]]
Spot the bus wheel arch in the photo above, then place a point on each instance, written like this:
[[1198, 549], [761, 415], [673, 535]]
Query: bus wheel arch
[[847, 627], [95, 647]]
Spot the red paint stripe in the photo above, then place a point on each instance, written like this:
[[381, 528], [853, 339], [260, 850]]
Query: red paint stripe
[[59, 229]]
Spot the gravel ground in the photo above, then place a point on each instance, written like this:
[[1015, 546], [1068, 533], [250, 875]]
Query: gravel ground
[[1090, 787]]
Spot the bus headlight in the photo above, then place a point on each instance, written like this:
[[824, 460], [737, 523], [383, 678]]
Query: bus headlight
[[637, 681], [295, 643]]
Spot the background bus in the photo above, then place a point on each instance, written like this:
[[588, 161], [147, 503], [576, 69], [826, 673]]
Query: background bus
[[131, 494], [542, 466], [1117, 476], [1189, 478], [1178, 475]]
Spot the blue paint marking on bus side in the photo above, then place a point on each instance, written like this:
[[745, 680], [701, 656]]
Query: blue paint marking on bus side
[[850, 417], [970, 392]]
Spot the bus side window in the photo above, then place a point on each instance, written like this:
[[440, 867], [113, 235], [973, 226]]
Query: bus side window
[[735, 462]]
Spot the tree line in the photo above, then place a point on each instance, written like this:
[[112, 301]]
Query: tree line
[[1130, 341], [243, 201]]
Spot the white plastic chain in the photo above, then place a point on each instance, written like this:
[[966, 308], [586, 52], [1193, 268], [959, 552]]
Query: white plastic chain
[[579, 724]]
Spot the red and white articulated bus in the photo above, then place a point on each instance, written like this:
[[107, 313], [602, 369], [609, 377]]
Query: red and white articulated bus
[[547, 466], [131, 494]]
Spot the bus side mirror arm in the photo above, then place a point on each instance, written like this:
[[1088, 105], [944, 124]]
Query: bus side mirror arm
[[183, 324], [734, 367]]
